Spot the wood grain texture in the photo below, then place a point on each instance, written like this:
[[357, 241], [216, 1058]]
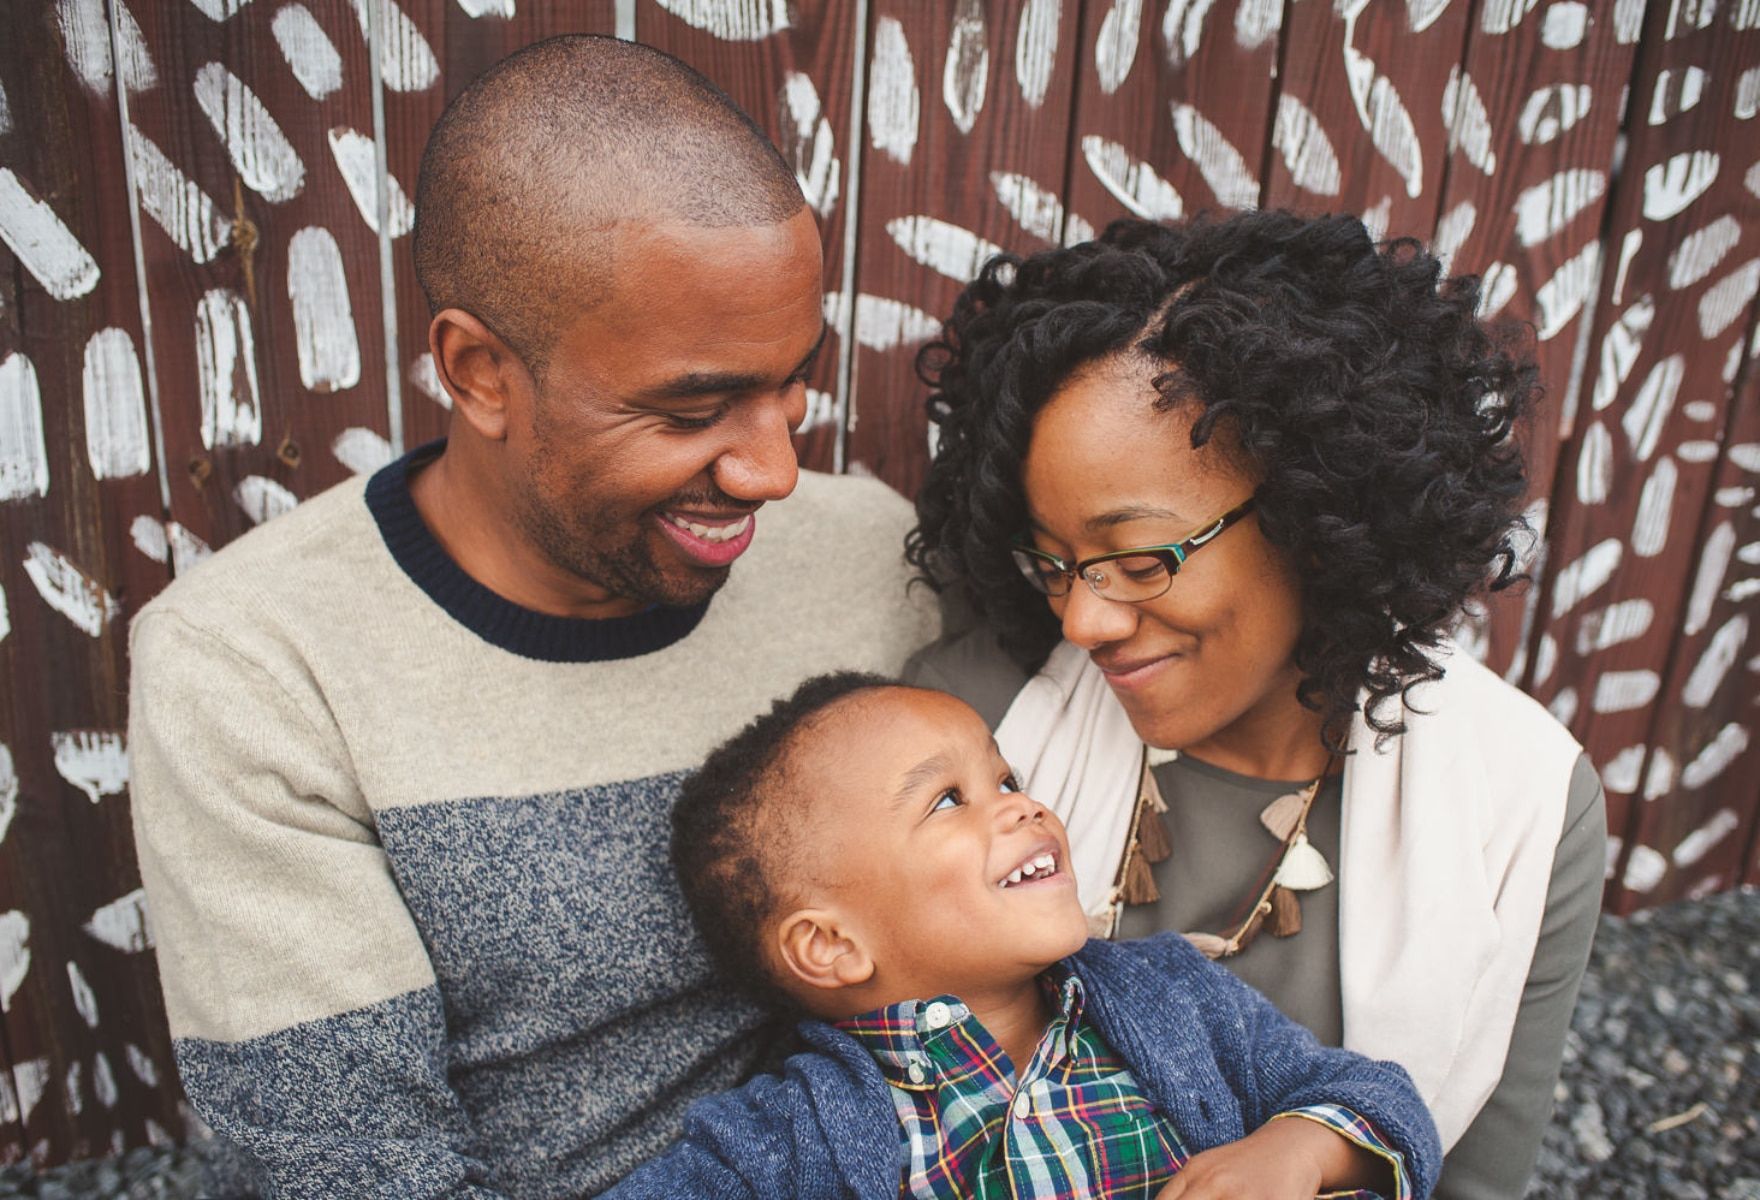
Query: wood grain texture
[[79, 1014]]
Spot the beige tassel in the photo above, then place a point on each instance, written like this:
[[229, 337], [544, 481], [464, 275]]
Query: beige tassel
[[1286, 913], [1283, 814], [1209, 945], [1303, 868], [1139, 881]]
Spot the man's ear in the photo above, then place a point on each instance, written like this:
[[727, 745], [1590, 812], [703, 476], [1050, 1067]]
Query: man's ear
[[481, 373], [821, 952]]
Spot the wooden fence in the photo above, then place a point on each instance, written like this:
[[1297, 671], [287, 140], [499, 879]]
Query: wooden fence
[[208, 311]]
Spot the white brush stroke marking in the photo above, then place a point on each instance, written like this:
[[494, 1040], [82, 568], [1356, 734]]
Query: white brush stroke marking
[[1644, 869], [476, 9], [5, 620], [261, 154], [1585, 576], [1035, 49], [1655, 509], [1732, 361], [309, 52], [219, 10], [1595, 464], [262, 499], [117, 436], [357, 160], [84, 1003], [1628, 20], [69, 590], [821, 411], [1467, 122], [809, 145], [1133, 184], [1546, 208], [1746, 455], [1115, 50], [1739, 591], [226, 371], [1375, 218], [1452, 232], [1728, 298], [1677, 90], [1614, 625], [1562, 297], [8, 790], [1659, 779], [881, 323], [1714, 559], [104, 1083], [1258, 21], [894, 103], [24, 457], [1689, 16], [1036, 209], [162, 541], [73, 1096], [1620, 348], [1745, 14], [1696, 451], [15, 955], [1716, 757], [122, 923], [1564, 25], [1737, 497], [1751, 180], [1077, 229], [966, 76], [5, 113], [426, 380], [1670, 186], [142, 1066], [1563, 706], [1628, 250], [1182, 29], [85, 36], [406, 61], [1551, 111], [1221, 165], [1748, 94], [1421, 14], [1381, 110], [1545, 659], [183, 210], [949, 249], [323, 319], [1621, 774], [1307, 151], [1697, 844], [38, 239], [1501, 16], [731, 20], [1719, 658], [1650, 408], [361, 450], [1622, 691], [1497, 287], [1699, 252]]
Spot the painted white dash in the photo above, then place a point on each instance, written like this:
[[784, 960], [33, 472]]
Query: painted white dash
[[1614, 625], [118, 441], [1036, 209], [476, 9], [357, 159], [1644, 869], [5, 113], [5, 617], [1452, 232], [1723, 749], [1628, 250], [1595, 464], [8, 790], [406, 61], [1035, 49], [1115, 50], [164, 541], [809, 144], [143, 1066], [85, 37], [731, 20], [1077, 229], [262, 499], [1699, 252], [1650, 408], [1563, 706], [1672, 185], [323, 319], [1748, 94], [32, 1076], [1182, 29], [104, 1086], [1745, 455], [1386, 118], [1307, 151], [361, 450], [219, 10], [1727, 299], [1564, 25], [1221, 165], [122, 923], [1688, 16], [1501, 16], [1714, 560], [1751, 180], [1258, 21], [1551, 111], [1719, 658], [1497, 287], [24, 457], [84, 1002], [1562, 297], [1623, 691], [69, 590], [309, 52], [186, 213], [1467, 121], [1621, 774], [1697, 844], [1744, 15], [226, 371], [1628, 20], [1132, 183], [261, 154], [1678, 89], [821, 411], [953, 251], [1421, 14], [1546, 208], [1655, 510], [426, 380], [881, 323], [1697, 451], [1740, 497], [1739, 592], [38, 239], [1545, 659], [966, 76], [15, 955], [1585, 576], [894, 101], [1620, 348], [73, 1094]]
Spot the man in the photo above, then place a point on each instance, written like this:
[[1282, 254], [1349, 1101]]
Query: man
[[404, 757]]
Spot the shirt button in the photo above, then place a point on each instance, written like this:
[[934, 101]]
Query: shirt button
[[1023, 1105], [937, 1015], [916, 1072]]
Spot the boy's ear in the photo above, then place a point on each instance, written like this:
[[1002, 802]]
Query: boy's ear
[[821, 952]]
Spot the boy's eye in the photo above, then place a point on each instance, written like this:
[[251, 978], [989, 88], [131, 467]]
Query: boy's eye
[[946, 800], [1010, 784]]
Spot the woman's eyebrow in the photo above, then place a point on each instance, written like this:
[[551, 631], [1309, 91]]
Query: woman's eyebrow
[[1129, 513], [930, 769]]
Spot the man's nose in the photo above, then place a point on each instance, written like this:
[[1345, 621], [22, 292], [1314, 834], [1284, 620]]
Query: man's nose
[[761, 464], [1089, 621]]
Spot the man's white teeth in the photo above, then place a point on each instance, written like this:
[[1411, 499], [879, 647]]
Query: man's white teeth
[[712, 533]]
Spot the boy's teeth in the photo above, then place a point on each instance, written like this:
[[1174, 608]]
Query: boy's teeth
[[1014, 876]]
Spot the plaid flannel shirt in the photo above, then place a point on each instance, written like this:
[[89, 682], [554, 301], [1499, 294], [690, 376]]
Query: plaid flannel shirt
[[1076, 1126]]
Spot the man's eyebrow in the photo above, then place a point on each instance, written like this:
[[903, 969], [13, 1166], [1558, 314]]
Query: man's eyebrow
[[698, 384], [927, 771]]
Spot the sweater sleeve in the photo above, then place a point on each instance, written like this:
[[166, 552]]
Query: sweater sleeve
[[303, 1008]]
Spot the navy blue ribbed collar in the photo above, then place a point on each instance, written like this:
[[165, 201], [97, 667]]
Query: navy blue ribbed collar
[[492, 617]]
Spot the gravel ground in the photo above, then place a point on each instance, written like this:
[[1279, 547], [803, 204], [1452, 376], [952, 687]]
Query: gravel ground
[[1659, 1100]]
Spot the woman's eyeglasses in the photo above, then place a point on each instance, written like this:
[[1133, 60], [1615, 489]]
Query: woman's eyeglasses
[[1140, 573]]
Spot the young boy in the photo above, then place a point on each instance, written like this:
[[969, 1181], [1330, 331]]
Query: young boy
[[862, 853]]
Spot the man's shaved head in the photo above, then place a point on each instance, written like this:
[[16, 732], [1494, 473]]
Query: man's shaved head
[[531, 167]]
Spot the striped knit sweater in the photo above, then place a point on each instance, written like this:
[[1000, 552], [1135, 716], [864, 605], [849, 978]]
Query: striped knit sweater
[[404, 843]]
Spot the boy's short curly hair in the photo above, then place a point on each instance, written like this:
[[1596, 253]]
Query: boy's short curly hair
[[729, 849], [1358, 385]]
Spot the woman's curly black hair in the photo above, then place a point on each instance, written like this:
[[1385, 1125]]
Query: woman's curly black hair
[[1359, 388]]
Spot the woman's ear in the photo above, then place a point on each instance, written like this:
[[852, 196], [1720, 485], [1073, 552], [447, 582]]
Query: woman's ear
[[479, 371], [819, 951]]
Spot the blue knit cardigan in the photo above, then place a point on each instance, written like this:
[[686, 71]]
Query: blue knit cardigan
[[1214, 1055]]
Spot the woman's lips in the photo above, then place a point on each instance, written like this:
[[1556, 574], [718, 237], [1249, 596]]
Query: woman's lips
[[1134, 673]]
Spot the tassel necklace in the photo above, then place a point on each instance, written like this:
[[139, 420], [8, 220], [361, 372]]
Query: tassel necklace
[[1276, 907]]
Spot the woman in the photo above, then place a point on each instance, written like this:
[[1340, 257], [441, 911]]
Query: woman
[[1219, 493]]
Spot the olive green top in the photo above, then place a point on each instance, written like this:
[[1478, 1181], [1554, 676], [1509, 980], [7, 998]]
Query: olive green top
[[1220, 851]]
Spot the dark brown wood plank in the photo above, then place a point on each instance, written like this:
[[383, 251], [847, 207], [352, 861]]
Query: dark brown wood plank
[[958, 102], [83, 1031]]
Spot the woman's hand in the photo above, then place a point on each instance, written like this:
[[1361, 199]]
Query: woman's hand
[[1290, 1159]]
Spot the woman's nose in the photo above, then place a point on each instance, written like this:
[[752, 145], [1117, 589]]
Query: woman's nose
[[1090, 621]]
